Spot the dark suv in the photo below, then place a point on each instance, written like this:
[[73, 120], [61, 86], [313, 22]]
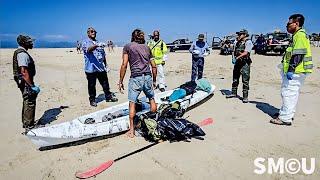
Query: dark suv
[[179, 44]]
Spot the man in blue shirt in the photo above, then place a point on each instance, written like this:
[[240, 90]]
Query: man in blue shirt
[[199, 50], [95, 67]]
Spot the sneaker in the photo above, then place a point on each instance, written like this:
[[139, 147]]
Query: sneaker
[[245, 100], [93, 103], [277, 121], [112, 98], [231, 96], [276, 115]]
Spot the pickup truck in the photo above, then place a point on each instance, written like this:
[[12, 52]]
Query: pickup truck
[[179, 44], [276, 42]]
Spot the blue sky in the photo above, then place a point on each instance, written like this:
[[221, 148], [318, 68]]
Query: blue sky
[[67, 20]]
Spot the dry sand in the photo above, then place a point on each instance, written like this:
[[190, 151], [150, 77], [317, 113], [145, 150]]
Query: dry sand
[[240, 134]]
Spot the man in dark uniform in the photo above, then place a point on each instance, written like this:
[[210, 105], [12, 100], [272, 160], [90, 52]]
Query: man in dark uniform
[[242, 61], [24, 72]]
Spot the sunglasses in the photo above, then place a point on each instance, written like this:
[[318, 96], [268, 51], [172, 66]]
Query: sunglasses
[[92, 31]]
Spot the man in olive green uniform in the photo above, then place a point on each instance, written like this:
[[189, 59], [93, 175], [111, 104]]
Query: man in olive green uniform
[[24, 72], [242, 61], [297, 64]]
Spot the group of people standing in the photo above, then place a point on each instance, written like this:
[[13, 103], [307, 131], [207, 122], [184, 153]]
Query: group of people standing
[[147, 61]]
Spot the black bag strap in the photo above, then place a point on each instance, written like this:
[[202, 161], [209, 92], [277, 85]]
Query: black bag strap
[[157, 44]]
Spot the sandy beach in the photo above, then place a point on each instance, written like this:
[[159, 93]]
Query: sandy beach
[[240, 133]]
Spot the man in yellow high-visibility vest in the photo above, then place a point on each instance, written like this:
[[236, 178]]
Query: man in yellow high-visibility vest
[[297, 64], [159, 52]]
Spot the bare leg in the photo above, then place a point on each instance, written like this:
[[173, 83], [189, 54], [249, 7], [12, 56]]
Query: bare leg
[[153, 105], [132, 113]]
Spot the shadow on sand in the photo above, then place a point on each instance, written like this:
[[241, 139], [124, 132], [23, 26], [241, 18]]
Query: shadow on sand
[[262, 106], [266, 108], [50, 115]]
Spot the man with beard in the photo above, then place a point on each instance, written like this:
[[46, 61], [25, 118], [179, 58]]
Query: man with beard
[[96, 67], [139, 56], [23, 72]]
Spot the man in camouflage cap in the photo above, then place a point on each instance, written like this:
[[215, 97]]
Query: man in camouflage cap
[[23, 72], [242, 61]]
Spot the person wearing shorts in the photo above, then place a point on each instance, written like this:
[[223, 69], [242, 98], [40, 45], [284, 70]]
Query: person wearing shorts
[[138, 55]]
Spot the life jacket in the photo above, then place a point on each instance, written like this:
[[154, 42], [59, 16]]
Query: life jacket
[[17, 76], [239, 48]]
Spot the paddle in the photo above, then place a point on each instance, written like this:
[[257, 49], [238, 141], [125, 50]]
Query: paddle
[[102, 167]]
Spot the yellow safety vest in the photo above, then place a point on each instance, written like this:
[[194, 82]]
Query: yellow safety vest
[[300, 45], [158, 49]]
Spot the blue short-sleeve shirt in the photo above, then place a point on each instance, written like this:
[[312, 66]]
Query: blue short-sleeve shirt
[[93, 61]]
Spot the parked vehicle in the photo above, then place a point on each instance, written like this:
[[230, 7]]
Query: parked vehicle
[[276, 42], [179, 44], [216, 43], [227, 45]]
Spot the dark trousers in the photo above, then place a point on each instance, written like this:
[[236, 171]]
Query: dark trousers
[[242, 69], [197, 68], [28, 106], [103, 80]]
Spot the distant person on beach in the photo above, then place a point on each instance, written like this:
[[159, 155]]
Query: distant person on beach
[[95, 67], [159, 52], [242, 61], [79, 47], [111, 46], [108, 45], [23, 73], [139, 57], [198, 49], [296, 65]]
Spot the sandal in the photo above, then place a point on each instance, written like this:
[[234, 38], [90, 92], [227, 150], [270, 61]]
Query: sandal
[[277, 121]]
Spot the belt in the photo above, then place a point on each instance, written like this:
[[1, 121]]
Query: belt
[[140, 74]]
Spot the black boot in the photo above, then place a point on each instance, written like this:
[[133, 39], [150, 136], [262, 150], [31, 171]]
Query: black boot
[[233, 93]]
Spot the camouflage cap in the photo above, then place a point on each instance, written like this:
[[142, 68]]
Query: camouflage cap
[[243, 31], [201, 36], [22, 39]]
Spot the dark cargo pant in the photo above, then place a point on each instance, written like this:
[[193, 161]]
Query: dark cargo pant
[[197, 68], [29, 106], [244, 70], [103, 80]]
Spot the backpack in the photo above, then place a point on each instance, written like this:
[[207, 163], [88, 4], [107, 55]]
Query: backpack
[[172, 110]]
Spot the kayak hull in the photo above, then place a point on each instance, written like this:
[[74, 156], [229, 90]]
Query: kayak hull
[[77, 129]]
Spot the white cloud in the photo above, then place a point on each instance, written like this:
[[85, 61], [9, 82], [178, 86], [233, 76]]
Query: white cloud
[[55, 37]]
